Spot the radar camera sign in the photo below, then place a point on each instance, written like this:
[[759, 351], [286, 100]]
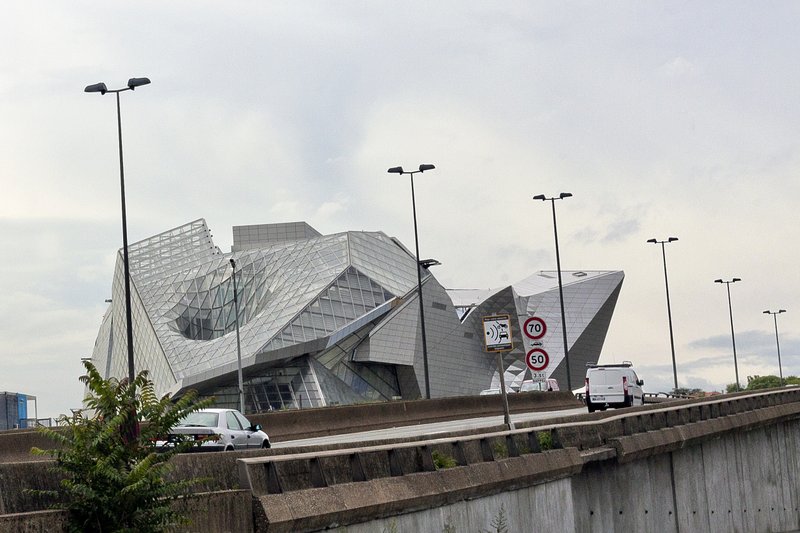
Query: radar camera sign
[[497, 333]]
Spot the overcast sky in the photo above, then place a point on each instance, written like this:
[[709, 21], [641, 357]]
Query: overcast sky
[[662, 118]]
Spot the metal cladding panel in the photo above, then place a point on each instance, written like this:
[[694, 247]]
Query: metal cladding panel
[[22, 408], [9, 410], [396, 339], [457, 361], [587, 346]]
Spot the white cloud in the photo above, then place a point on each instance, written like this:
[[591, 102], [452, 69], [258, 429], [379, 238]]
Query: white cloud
[[678, 67]]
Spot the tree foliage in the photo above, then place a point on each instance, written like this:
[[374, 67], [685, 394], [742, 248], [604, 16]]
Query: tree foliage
[[114, 477], [769, 382], [764, 382], [685, 391]]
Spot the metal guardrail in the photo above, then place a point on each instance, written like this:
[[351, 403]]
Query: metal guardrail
[[36, 422], [653, 395]]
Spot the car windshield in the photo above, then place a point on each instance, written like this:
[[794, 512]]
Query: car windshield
[[200, 419]]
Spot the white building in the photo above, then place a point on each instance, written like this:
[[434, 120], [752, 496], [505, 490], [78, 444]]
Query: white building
[[328, 319]]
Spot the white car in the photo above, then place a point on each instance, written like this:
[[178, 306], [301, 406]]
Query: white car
[[221, 429], [549, 384], [489, 392], [614, 385]]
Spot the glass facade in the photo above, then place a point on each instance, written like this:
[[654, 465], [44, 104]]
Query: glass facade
[[350, 296]]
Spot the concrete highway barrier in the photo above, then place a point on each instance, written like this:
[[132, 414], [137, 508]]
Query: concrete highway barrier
[[368, 488], [15, 445]]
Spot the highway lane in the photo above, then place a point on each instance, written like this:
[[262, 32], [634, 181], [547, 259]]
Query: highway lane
[[432, 429]]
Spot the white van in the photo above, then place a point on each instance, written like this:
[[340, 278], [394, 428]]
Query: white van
[[614, 385]]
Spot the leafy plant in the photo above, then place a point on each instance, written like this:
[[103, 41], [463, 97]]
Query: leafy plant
[[441, 460], [545, 440], [500, 450], [114, 476], [392, 527], [500, 521]]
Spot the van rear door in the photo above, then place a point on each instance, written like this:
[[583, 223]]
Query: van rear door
[[605, 385]]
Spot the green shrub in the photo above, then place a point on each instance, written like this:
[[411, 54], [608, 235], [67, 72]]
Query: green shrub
[[545, 440], [499, 522], [113, 475], [500, 450], [441, 460]]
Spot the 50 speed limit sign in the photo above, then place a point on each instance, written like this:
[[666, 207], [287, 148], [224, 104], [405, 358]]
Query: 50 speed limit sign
[[537, 359]]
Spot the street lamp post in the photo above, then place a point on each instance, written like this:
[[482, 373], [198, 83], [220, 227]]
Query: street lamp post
[[238, 341], [399, 170], [733, 336], [777, 341], [102, 89], [669, 310], [560, 284]]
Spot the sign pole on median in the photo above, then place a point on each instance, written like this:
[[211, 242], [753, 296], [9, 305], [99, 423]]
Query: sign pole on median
[[498, 338]]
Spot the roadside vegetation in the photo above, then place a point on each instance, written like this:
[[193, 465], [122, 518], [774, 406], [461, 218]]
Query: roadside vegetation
[[764, 382], [114, 477]]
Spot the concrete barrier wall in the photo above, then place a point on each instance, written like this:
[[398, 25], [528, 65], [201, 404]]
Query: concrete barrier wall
[[744, 480], [17, 478], [220, 512], [34, 522], [613, 449], [352, 503], [307, 423], [629, 474], [15, 445]]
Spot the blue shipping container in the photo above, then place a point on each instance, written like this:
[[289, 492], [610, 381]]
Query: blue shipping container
[[22, 401]]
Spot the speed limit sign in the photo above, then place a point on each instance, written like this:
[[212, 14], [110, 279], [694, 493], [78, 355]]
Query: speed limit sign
[[537, 359], [534, 328]]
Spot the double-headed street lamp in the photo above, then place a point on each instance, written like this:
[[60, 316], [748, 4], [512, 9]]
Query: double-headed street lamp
[[102, 89], [560, 285], [238, 341], [777, 341], [399, 170], [669, 310], [733, 336]]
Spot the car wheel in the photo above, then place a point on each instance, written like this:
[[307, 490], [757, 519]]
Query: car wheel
[[266, 444]]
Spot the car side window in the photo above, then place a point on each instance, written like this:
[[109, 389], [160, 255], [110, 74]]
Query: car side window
[[233, 423], [242, 420]]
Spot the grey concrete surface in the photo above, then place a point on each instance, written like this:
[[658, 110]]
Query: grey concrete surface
[[729, 465]]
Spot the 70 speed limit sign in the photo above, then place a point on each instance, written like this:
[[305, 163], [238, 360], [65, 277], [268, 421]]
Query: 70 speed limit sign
[[534, 328], [537, 359]]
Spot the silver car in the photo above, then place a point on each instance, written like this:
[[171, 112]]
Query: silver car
[[222, 429]]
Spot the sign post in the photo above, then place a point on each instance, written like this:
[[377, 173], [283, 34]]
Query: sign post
[[536, 358], [498, 339]]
